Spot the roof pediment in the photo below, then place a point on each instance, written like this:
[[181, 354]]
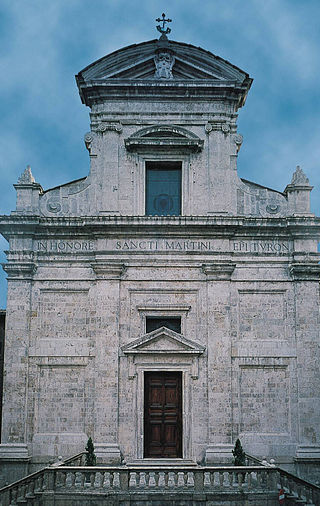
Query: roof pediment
[[163, 341], [137, 62], [137, 67]]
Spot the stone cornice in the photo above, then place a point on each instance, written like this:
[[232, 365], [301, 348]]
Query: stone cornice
[[305, 272], [215, 225], [182, 89]]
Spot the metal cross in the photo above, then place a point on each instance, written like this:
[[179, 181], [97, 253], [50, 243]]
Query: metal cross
[[160, 28]]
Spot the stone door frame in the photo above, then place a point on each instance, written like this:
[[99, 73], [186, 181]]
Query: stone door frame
[[186, 393]]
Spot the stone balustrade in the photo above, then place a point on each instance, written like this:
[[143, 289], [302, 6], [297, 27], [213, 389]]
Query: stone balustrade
[[128, 481]]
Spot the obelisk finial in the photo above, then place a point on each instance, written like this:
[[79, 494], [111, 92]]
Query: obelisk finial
[[164, 31]]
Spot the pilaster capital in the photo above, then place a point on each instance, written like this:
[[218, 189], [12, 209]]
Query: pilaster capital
[[20, 270], [220, 270], [305, 272], [104, 270]]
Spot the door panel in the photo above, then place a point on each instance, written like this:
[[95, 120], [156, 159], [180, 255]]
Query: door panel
[[163, 415]]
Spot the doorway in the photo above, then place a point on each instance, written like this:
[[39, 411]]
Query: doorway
[[162, 414]]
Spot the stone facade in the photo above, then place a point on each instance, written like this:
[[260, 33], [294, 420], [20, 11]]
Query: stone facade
[[238, 266]]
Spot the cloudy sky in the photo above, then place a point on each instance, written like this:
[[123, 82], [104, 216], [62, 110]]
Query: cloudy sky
[[44, 43]]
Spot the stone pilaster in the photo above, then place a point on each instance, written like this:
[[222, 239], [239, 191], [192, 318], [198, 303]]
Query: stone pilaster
[[106, 400], [306, 284], [108, 166], [14, 444], [219, 352]]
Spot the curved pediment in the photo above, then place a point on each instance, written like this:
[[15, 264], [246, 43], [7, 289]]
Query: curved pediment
[[168, 136], [163, 341], [137, 62]]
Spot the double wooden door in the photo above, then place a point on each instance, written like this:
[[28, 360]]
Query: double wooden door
[[162, 415]]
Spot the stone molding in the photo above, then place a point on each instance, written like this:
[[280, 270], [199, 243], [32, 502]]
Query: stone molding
[[305, 272], [14, 451], [19, 270], [307, 452], [107, 453], [164, 136], [218, 271], [104, 270], [220, 453]]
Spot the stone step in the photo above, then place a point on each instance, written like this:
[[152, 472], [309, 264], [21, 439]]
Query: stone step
[[160, 463]]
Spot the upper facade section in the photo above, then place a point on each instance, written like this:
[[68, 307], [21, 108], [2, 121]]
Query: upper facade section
[[163, 141], [162, 68]]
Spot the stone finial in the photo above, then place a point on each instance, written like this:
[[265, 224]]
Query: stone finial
[[299, 178], [26, 177]]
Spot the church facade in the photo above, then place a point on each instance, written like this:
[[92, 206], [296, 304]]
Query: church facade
[[162, 305]]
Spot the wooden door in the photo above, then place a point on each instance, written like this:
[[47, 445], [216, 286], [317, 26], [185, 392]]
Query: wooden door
[[162, 415]]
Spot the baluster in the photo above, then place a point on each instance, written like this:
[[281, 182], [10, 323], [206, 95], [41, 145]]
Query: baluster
[[14, 495], [190, 479], [92, 478], [307, 492], [101, 476], [249, 481], [221, 479], [259, 479], [206, 479], [133, 480], [41, 483], [77, 476], [83, 479], [142, 479], [72, 478], [230, 478], [63, 479], [152, 479], [171, 480], [116, 479], [161, 481], [240, 479], [31, 488], [22, 491], [180, 482], [69, 479], [298, 489], [97, 478], [107, 480]]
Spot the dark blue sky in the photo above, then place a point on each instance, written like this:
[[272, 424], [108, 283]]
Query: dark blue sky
[[45, 43]]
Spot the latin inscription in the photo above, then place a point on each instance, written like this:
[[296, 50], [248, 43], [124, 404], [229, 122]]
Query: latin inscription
[[65, 246], [163, 244], [261, 247]]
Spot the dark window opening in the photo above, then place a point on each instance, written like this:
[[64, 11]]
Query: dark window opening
[[163, 188], [156, 322]]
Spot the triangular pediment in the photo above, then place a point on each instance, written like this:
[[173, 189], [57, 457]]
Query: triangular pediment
[[137, 62], [163, 341]]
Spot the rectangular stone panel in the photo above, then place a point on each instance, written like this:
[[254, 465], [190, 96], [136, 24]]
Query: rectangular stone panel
[[264, 399], [63, 314], [61, 401], [262, 315]]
